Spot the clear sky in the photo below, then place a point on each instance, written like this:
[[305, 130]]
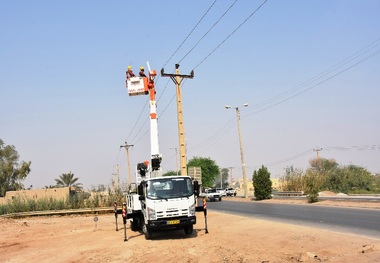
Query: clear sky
[[309, 70]]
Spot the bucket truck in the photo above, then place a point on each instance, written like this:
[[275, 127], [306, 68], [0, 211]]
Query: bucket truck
[[155, 202]]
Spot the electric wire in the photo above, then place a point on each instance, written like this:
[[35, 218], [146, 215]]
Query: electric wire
[[137, 121], [204, 15], [290, 158], [232, 33], [228, 9], [327, 148], [356, 55], [315, 85], [326, 72], [220, 18], [214, 137], [355, 148], [223, 131]]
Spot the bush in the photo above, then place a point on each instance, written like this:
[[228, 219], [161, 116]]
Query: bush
[[262, 184], [75, 200]]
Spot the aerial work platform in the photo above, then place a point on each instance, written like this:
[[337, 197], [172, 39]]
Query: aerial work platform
[[137, 86]]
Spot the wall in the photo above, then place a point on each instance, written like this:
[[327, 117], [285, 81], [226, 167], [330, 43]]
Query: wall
[[56, 193]]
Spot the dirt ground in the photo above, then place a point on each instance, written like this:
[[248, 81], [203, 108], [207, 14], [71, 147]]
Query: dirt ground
[[230, 239]]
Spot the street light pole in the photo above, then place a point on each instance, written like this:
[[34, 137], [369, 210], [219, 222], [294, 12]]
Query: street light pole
[[241, 148]]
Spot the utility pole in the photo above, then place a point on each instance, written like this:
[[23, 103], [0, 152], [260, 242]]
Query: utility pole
[[176, 158], [318, 149], [241, 148], [117, 177], [126, 146], [230, 175], [177, 79]]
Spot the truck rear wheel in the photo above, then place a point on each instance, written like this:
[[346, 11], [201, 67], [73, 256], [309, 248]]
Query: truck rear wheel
[[188, 230], [134, 224]]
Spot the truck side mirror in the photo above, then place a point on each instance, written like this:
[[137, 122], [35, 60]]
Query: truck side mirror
[[196, 188], [140, 189]]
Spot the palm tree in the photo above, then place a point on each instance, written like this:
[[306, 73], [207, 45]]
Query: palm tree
[[67, 180]]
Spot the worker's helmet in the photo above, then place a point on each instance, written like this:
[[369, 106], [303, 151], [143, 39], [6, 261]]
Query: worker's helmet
[[129, 67], [141, 68]]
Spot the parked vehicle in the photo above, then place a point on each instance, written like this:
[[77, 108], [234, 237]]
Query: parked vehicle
[[212, 195], [221, 191], [231, 191], [163, 203], [157, 202]]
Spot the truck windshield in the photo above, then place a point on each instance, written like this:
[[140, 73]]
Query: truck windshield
[[168, 187]]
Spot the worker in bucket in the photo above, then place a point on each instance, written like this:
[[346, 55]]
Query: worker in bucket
[[142, 73], [130, 73]]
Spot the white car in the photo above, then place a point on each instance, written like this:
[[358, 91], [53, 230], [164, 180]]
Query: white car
[[221, 191], [211, 195], [231, 192]]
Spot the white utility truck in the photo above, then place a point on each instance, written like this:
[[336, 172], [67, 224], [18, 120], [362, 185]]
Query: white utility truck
[[155, 202], [164, 203]]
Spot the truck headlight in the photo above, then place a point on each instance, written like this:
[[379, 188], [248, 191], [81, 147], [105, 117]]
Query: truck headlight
[[192, 210], [151, 214]]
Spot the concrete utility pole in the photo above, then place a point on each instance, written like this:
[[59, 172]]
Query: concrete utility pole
[[126, 146], [116, 179], [241, 148], [176, 158], [177, 79], [318, 149], [118, 176], [231, 175]]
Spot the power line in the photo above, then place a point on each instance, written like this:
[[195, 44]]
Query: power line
[[138, 119], [357, 54], [220, 18], [353, 148], [290, 158], [163, 91], [228, 9], [189, 33], [319, 83], [233, 32]]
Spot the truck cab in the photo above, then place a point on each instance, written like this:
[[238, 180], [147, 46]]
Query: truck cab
[[166, 203]]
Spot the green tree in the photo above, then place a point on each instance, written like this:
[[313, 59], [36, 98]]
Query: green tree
[[12, 172], [312, 185], [171, 173], [359, 179], [262, 183], [210, 170], [67, 180], [292, 180], [323, 165]]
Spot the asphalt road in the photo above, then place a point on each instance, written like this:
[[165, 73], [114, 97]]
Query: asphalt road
[[348, 220]]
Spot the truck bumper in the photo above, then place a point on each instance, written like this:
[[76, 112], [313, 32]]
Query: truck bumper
[[175, 222]]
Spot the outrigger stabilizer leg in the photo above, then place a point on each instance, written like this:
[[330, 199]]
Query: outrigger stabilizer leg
[[124, 214], [115, 211], [205, 213]]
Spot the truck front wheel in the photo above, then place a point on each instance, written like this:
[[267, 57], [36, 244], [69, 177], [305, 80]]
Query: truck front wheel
[[188, 229], [147, 232]]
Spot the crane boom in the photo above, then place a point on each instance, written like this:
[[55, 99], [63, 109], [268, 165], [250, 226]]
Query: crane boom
[[144, 86]]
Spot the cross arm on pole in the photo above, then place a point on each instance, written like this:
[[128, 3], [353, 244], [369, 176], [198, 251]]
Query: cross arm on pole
[[174, 76]]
